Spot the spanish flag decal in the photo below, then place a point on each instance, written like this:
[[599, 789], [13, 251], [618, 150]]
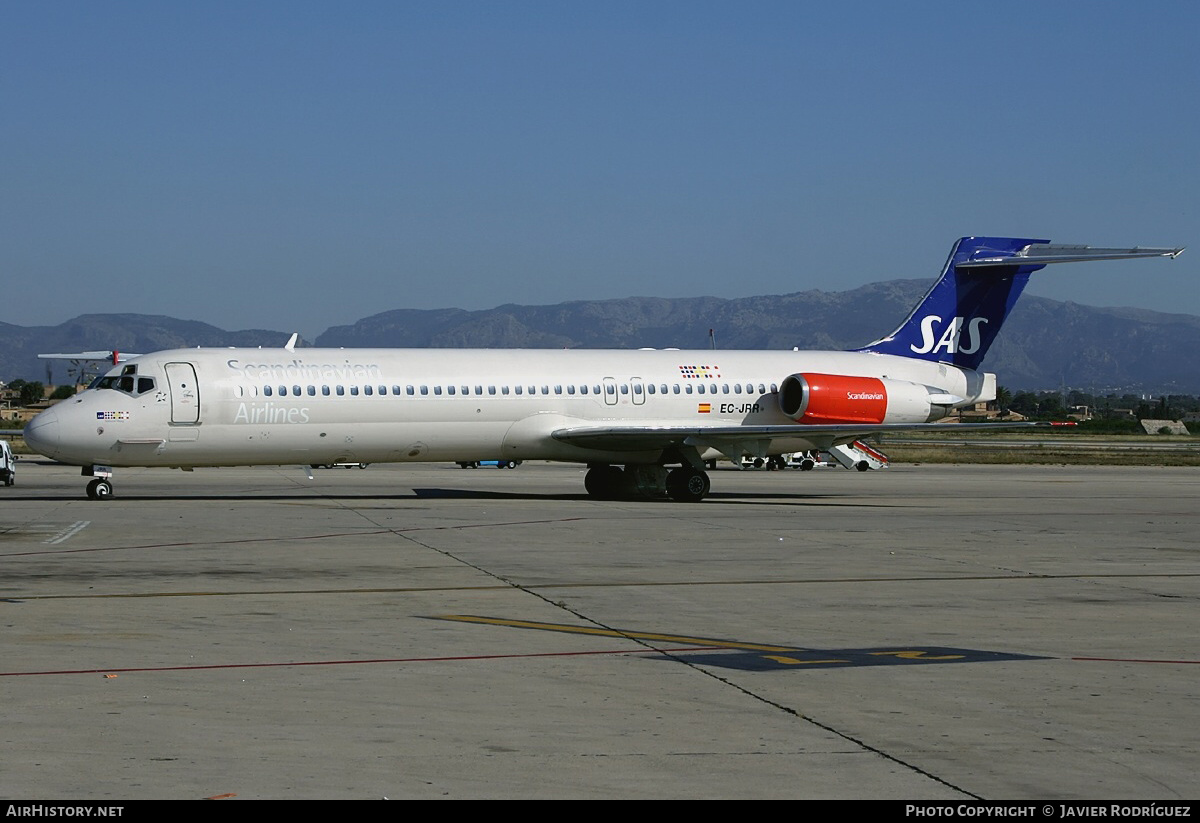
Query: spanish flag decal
[[704, 408]]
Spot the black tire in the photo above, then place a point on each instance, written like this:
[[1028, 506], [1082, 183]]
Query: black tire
[[99, 489], [602, 482], [687, 485]]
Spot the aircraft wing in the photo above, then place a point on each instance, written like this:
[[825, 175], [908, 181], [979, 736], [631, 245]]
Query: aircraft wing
[[748, 439]]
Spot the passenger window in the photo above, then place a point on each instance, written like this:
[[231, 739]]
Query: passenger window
[[266, 391], [504, 389], [341, 390], [437, 390], [283, 391], [354, 391], [700, 388], [312, 391], [325, 391], [368, 391], [424, 391], [724, 388]]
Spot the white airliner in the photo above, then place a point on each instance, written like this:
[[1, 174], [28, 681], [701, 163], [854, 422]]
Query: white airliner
[[641, 410]]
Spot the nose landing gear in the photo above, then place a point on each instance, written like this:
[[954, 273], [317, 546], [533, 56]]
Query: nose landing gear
[[100, 488]]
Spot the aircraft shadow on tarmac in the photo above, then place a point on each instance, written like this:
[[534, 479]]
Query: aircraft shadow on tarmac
[[306, 493]]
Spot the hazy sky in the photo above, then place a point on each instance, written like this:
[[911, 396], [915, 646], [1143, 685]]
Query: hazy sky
[[296, 165]]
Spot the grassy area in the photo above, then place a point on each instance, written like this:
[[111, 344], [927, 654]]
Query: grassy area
[[1056, 448]]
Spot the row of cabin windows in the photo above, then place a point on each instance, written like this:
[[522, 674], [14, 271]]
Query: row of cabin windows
[[610, 388]]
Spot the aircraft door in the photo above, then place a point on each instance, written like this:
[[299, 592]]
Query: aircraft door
[[610, 391], [185, 393]]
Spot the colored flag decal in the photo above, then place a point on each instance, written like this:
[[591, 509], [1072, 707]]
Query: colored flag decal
[[112, 415], [704, 408], [696, 372]]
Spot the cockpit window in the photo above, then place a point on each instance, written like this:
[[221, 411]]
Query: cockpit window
[[127, 382]]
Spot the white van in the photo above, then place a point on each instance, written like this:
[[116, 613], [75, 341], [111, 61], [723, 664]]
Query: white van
[[8, 463]]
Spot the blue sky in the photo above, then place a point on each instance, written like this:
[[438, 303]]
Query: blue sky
[[296, 165]]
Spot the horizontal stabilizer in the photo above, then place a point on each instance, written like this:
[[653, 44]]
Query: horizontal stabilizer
[[1045, 253], [113, 357]]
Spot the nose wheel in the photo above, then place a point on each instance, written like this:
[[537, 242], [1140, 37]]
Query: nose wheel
[[99, 489]]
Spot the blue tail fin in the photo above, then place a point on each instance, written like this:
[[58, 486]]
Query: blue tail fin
[[961, 314]]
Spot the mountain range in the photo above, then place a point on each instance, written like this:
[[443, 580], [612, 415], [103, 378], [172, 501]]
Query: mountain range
[[1045, 344]]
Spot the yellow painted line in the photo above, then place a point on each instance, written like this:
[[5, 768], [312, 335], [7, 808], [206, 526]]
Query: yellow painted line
[[920, 655], [569, 629]]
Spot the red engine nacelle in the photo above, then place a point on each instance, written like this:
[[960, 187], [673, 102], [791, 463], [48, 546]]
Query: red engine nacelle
[[839, 398]]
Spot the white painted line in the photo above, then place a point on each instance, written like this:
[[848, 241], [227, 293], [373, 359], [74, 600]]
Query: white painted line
[[68, 532]]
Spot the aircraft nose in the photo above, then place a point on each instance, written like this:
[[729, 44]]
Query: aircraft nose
[[41, 434]]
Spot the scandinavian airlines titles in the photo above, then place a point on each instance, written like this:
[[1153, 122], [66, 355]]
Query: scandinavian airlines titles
[[297, 369]]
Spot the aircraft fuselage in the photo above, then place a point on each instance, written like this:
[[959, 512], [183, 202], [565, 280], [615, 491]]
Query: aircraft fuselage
[[226, 407]]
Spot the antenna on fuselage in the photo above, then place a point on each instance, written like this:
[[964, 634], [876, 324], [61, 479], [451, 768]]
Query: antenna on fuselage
[[712, 339]]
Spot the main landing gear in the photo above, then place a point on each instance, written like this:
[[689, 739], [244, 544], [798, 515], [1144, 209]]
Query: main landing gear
[[683, 485]]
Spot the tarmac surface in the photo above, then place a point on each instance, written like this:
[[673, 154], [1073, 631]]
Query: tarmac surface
[[926, 632]]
